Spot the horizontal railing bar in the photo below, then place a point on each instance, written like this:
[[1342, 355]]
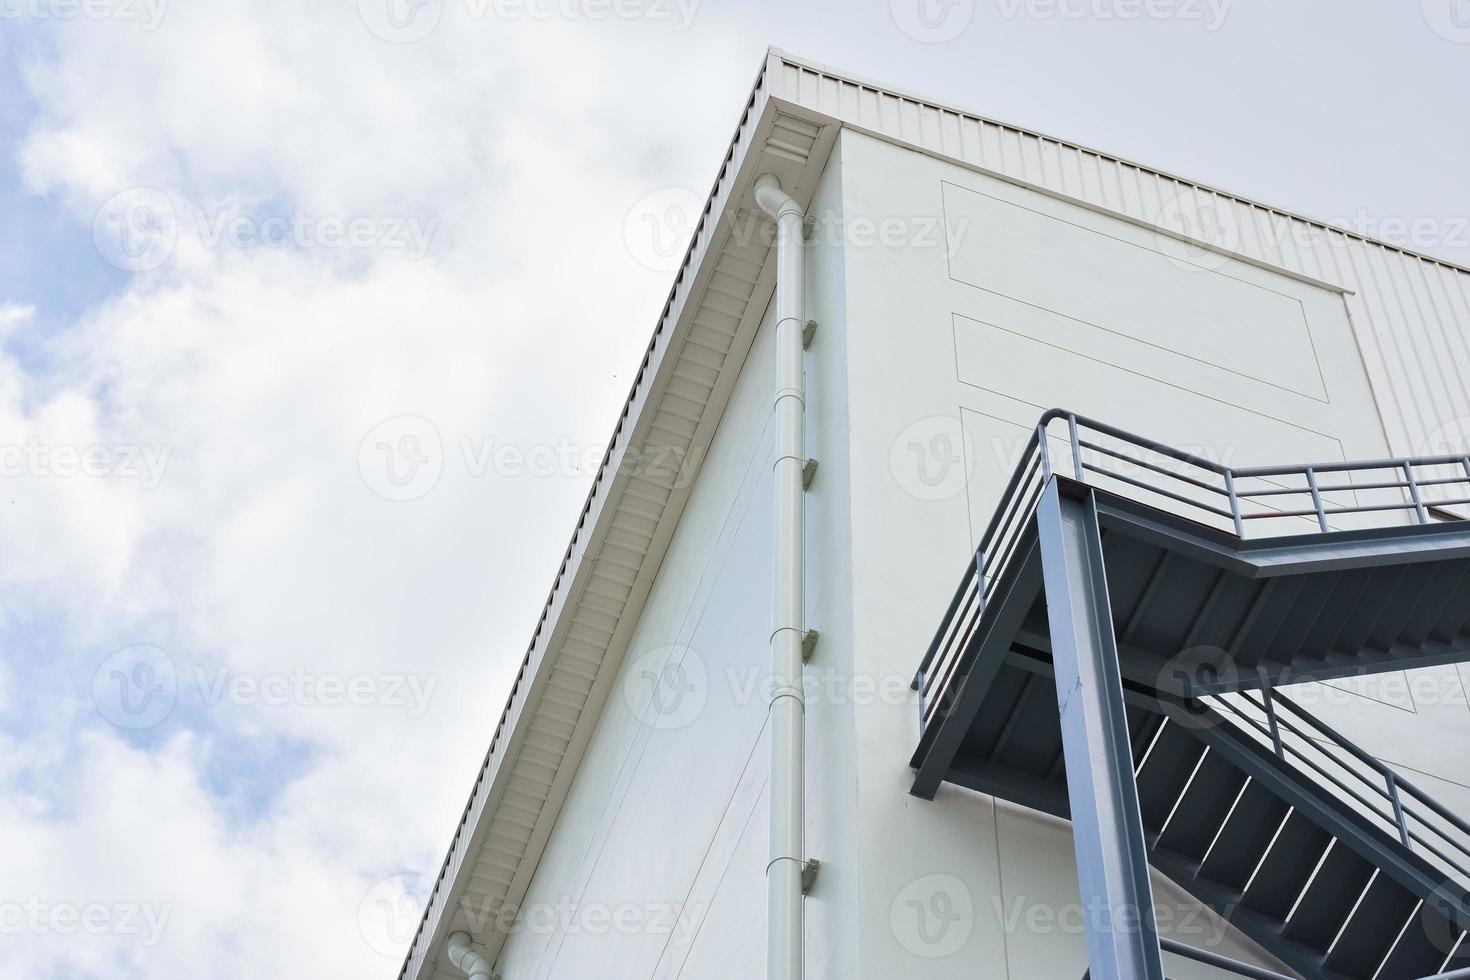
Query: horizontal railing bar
[[1432, 849], [1403, 783], [1160, 491], [1014, 522], [1150, 466], [1014, 540], [1347, 487], [1368, 805], [953, 627], [1302, 715], [1261, 515], [1021, 471], [944, 624], [1146, 443], [1285, 491], [1344, 466]]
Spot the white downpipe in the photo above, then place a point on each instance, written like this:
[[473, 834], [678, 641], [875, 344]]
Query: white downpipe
[[787, 707], [463, 955]]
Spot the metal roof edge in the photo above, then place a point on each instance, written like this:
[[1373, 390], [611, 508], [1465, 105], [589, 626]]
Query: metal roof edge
[[419, 955], [818, 67]]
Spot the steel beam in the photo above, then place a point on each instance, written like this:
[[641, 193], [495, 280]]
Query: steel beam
[[1107, 831]]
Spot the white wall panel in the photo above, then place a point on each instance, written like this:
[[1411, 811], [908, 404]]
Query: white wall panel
[[667, 792], [1411, 314]]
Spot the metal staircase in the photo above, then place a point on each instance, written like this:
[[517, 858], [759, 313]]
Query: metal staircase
[[1320, 853]]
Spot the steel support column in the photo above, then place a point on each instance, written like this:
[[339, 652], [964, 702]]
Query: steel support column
[[1107, 832]]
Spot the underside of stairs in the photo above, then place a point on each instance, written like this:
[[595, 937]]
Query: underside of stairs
[[1323, 856]]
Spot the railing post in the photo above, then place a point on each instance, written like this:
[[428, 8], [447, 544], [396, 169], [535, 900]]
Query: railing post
[[1414, 492], [1234, 503], [1076, 447], [1398, 807], [1317, 498], [1041, 451]]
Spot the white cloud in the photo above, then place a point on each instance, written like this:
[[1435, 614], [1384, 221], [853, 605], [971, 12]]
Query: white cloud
[[257, 372]]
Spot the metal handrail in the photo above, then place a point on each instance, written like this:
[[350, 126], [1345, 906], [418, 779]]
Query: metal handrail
[[1405, 801], [1234, 495]]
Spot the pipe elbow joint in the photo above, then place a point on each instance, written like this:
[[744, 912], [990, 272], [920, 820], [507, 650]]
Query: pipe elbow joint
[[773, 200], [463, 954]]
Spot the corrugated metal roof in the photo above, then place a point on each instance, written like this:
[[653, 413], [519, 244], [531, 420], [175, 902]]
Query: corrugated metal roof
[[1408, 310]]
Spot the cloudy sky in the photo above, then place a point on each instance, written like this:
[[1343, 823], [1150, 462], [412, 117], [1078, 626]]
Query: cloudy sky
[[255, 256]]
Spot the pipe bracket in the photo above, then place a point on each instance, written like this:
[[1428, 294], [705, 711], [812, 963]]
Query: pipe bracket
[[808, 331], [809, 869], [808, 473], [808, 644]]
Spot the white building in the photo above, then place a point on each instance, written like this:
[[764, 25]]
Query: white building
[[964, 276]]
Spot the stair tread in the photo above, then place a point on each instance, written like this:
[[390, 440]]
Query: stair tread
[[1325, 904], [1292, 858], [1202, 809], [1375, 924], [1242, 841]]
